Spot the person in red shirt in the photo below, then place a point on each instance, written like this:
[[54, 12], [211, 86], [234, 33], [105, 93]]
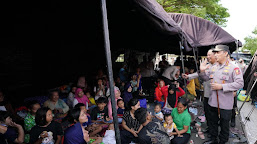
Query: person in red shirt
[[161, 93]]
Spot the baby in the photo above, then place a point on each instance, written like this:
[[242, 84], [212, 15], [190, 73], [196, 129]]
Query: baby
[[109, 136], [169, 126], [157, 112]]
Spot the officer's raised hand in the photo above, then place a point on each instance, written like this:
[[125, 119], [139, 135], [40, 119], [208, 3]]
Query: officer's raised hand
[[203, 65]]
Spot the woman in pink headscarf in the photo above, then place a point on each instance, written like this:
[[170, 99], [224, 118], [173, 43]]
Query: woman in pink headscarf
[[80, 97], [117, 96]]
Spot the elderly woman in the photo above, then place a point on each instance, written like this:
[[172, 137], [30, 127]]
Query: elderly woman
[[58, 106]]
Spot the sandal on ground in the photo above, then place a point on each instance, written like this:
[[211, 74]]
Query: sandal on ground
[[201, 135], [234, 130]]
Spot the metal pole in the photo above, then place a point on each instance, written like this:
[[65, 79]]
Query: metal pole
[[183, 66], [110, 73], [237, 51], [247, 95], [197, 70]]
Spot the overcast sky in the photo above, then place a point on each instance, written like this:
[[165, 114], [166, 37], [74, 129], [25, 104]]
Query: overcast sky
[[243, 17]]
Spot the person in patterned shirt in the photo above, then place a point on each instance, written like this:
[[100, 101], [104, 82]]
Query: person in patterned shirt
[[29, 120], [153, 131]]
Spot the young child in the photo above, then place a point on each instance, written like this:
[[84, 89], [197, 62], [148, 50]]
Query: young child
[[120, 110], [91, 103], [100, 113], [169, 126], [29, 120], [134, 82], [109, 136], [158, 111]]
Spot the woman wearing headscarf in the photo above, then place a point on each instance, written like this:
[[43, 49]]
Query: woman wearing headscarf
[[80, 97], [117, 96], [127, 94], [174, 93]]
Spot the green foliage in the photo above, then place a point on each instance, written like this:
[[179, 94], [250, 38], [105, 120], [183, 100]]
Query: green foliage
[[207, 9], [251, 42]]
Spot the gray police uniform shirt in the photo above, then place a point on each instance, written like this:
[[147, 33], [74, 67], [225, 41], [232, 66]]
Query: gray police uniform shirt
[[206, 84], [231, 78]]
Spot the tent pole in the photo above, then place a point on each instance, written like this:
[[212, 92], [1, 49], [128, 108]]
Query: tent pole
[[237, 51], [110, 72], [197, 70], [183, 66]]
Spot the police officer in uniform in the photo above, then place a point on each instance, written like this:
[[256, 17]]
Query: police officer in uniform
[[225, 78]]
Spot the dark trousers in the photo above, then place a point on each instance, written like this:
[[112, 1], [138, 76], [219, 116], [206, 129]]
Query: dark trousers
[[233, 117], [126, 137], [223, 122], [181, 140], [206, 109]]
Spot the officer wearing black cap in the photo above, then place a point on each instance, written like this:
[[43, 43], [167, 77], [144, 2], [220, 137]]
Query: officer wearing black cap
[[225, 78]]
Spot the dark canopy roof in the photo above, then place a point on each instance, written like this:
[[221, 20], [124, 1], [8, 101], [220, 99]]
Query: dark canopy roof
[[203, 34], [142, 25]]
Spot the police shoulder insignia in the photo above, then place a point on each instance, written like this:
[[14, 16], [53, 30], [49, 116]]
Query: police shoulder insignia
[[237, 70], [227, 63]]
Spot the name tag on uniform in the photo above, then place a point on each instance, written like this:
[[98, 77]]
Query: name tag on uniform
[[227, 67], [225, 73]]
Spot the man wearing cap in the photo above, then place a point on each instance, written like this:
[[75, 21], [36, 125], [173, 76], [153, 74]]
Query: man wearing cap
[[225, 78]]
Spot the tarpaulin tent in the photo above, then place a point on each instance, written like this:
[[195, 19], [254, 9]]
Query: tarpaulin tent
[[143, 25], [203, 34]]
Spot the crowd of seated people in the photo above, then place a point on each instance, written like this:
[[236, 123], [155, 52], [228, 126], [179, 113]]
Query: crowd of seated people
[[87, 113]]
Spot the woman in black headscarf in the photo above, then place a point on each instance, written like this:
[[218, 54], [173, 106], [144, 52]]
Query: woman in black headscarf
[[174, 92]]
